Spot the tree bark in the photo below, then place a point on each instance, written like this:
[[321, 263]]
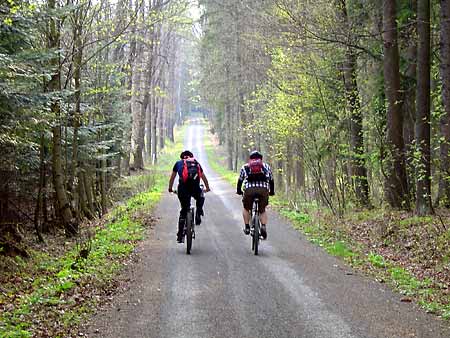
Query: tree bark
[[396, 189], [77, 60], [41, 192], [357, 164], [423, 186], [138, 121], [444, 123], [154, 129], [299, 166], [63, 207], [409, 104], [54, 86], [162, 116]]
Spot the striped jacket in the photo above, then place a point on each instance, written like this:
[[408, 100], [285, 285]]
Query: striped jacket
[[266, 183]]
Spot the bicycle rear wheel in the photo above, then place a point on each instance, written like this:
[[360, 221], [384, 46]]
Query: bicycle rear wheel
[[255, 239], [189, 230]]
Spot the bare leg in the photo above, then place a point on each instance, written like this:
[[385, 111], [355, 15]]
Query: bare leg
[[263, 217], [246, 215]]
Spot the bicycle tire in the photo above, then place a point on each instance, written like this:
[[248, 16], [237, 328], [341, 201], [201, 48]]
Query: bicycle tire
[[189, 230], [252, 232], [256, 234]]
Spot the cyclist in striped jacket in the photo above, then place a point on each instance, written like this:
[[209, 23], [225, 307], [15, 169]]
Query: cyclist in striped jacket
[[257, 180]]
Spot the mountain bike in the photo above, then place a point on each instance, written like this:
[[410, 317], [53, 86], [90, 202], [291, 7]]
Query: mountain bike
[[255, 229], [189, 225]]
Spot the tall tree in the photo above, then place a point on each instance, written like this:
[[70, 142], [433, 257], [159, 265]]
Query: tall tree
[[54, 87], [423, 191], [396, 189], [358, 167], [444, 181]]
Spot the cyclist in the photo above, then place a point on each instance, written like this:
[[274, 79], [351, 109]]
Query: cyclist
[[190, 172], [258, 182]]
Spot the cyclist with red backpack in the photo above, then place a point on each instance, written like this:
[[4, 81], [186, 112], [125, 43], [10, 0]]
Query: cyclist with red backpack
[[190, 172], [258, 182]]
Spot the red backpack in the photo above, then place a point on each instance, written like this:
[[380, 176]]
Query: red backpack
[[191, 170], [256, 171]]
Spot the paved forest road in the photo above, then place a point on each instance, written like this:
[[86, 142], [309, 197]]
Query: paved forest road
[[292, 289]]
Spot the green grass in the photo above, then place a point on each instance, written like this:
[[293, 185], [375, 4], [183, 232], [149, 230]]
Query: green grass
[[376, 260], [416, 220], [218, 162], [57, 280]]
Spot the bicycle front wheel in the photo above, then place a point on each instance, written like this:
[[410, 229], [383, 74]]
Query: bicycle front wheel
[[189, 230]]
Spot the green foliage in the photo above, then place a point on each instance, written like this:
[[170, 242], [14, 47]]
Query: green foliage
[[296, 216], [405, 282], [376, 260], [416, 220], [339, 249]]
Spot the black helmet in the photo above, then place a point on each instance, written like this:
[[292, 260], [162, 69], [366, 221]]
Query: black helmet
[[255, 154], [185, 154]]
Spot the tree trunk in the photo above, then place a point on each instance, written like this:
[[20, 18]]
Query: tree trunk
[[40, 198], [396, 189], [89, 194], [63, 208], [154, 129], [84, 205], [229, 137], [77, 60], [299, 167], [162, 114], [423, 187], [148, 135], [357, 164], [54, 86], [138, 120], [444, 123], [410, 103], [103, 187], [131, 85]]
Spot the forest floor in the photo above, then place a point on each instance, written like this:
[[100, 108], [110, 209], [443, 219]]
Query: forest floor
[[409, 253], [56, 287]]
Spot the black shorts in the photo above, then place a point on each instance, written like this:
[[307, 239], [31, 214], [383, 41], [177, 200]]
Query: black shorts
[[251, 193]]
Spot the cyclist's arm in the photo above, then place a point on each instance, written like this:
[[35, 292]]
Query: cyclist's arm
[[205, 180], [171, 180], [239, 186], [240, 181], [271, 182]]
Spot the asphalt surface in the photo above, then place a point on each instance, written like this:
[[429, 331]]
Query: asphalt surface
[[292, 289]]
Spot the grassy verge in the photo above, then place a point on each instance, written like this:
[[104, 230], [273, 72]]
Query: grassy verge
[[50, 293], [410, 254], [217, 161]]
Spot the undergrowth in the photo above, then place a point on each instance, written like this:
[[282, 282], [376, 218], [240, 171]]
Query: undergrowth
[[49, 295]]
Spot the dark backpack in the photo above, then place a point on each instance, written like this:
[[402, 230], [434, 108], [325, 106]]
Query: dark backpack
[[256, 170], [191, 170]]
